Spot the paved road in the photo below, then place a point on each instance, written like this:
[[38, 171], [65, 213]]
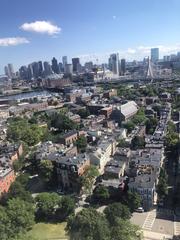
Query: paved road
[[160, 224]]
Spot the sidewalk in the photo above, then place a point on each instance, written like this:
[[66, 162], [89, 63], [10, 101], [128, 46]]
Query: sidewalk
[[155, 236]]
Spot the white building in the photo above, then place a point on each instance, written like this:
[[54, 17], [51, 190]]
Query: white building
[[101, 155]]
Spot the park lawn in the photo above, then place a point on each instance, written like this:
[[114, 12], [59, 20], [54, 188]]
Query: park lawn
[[46, 231]]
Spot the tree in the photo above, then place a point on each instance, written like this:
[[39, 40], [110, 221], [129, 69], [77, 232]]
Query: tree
[[137, 142], [129, 126], [122, 143], [151, 125], [17, 190], [67, 207], [21, 215], [5, 226], [162, 187], [140, 117], [23, 179], [83, 113], [133, 200], [81, 143], [46, 205], [116, 210], [61, 122], [21, 130], [88, 178], [88, 225], [46, 170], [101, 194], [124, 230]]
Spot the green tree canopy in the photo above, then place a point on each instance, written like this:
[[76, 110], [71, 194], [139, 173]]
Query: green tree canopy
[[116, 210], [5, 225], [17, 190], [66, 208], [137, 142], [124, 230], [83, 113], [46, 170], [20, 129], [21, 215], [133, 200], [101, 194], [88, 225], [46, 205], [129, 126], [151, 125], [88, 178], [162, 187], [81, 143], [61, 122]]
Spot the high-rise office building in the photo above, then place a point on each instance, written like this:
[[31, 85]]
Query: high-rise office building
[[75, 63], [47, 69], [64, 61], [40, 68], [61, 67], [6, 71], [30, 71], [11, 70], [114, 63], [68, 69], [123, 66], [154, 54], [23, 72], [88, 66], [55, 66], [35, 68]]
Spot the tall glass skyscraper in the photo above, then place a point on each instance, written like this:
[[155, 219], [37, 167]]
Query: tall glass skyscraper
[[154, 54]]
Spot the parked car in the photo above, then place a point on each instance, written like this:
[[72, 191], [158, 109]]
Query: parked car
[[140, 210]]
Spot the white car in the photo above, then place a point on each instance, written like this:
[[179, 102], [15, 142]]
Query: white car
[[140, 210]]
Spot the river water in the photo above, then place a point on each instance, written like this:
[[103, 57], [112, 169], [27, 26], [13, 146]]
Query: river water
[[27, 95]]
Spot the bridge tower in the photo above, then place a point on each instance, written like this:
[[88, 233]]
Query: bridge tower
[[149, 73]]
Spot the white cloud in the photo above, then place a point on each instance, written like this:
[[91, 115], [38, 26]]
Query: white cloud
[[131, 51], [13, 41], [45, 27], [114, 17]]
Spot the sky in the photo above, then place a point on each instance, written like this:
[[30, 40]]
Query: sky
[[33, 30]]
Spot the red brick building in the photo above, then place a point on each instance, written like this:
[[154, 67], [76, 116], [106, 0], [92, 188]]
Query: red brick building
[[7, 177]]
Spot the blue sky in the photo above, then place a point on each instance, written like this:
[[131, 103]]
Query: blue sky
[[32, 30]]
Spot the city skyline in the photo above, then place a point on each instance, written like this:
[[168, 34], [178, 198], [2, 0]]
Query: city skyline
[[39, 31]]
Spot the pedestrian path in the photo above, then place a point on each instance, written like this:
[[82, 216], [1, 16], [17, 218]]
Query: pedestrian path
[[149, 221], [176, 227]]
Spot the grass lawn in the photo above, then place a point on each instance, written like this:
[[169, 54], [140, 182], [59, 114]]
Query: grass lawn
[[47, 231]]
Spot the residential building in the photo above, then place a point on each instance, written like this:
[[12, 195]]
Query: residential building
[[69, 171], [102, 153], [7, 177], [114, 169], [69, 137], [110, 93], [106, 111]]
